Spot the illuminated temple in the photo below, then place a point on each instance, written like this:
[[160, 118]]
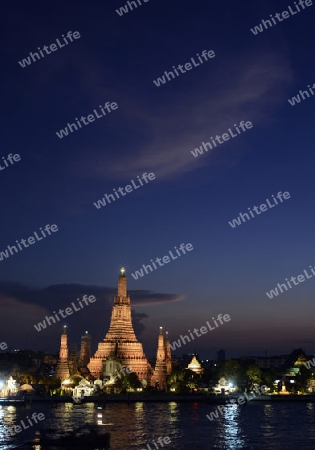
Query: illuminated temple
[[62, 370], [163, 365], [120, 346]]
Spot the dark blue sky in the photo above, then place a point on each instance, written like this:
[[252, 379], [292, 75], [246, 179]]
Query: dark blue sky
[[154, 130]]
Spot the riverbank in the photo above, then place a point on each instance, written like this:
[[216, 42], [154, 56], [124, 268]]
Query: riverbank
[[160, 398]]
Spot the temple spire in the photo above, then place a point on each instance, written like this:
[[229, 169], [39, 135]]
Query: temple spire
[[120, 341], [62, 370], [85, 352], [122, 283], [168, 356], [159, 375]]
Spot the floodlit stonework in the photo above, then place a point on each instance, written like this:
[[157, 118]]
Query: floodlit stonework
[[62, 370], [85, 352], [163, 365], [195, 365], [120, 340]]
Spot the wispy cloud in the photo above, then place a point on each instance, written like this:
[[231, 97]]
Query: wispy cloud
[[247, 86]]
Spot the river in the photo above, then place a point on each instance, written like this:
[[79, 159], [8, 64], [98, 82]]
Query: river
[[256, 426]]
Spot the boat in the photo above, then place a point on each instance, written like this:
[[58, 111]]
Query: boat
[[77, 400]]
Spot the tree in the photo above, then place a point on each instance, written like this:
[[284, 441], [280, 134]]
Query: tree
[[25, 378], [176, 380], [191, 379], [50, 383], [254, 374], [268, 378], [183, 380], [128, 382], [302, 380], [233, 372]]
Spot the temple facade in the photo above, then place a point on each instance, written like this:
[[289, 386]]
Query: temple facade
[[120, 343]]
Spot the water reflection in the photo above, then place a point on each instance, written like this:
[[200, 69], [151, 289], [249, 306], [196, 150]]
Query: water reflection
[[310, 416], [267, 421], [173, 412], [139, 421], [231, 430], [8, 418], [251, 427]]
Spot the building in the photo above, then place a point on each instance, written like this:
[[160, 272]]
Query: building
[[120, 342], [73, 358], [62, 370], [168, 355], [294, 362], [120, 349], [163, 365], [195, 366], [269, 362], [85, 352]]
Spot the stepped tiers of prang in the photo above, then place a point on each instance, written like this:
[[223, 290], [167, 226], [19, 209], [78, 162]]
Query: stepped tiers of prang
[[62, 370], [119, 349], [120, 342]]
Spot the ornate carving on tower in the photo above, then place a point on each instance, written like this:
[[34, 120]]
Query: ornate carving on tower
[[160, 373], [120, 339], [62, 370]]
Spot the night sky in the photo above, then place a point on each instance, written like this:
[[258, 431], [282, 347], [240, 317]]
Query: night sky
[[154, 130]]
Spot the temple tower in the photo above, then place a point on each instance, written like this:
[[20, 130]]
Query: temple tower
[[168, 355], [85, 351], [62, 370], [159, 376], [73, 358], [120, 339]]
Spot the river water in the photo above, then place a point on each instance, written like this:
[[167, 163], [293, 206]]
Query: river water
[[256, 426]]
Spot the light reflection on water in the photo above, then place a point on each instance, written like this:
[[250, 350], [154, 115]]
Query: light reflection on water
[[267, 426], [255, 426], [231, 430]]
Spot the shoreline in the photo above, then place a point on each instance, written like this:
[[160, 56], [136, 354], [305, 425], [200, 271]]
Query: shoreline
[[125, 398]]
